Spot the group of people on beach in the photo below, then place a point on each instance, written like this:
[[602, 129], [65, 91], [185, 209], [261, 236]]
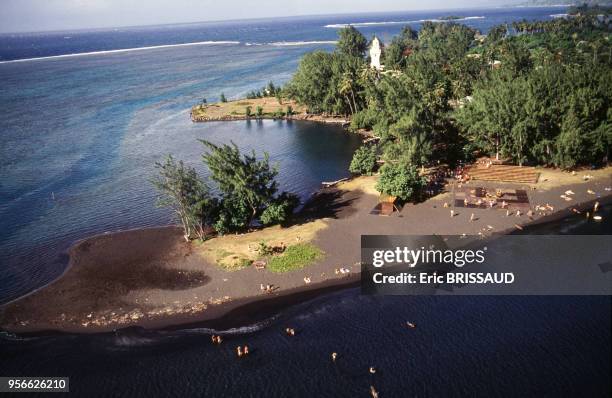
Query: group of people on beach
[[459, 174]]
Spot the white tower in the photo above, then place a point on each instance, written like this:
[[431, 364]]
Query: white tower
[[375, 53]]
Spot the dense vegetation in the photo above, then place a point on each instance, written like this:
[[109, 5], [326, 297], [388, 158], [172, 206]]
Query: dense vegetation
[[534, 93], [364, 160], [246, 187]]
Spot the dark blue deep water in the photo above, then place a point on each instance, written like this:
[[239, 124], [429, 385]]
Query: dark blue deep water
[[86, 130]]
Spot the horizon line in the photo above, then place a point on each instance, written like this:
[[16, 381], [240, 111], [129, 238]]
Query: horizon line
[[102, 28]]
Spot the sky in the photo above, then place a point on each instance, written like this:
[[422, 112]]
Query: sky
[[42, 15]]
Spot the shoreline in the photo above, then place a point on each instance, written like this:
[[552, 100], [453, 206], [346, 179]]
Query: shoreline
[[299, 117], [271, 109], [246, 307], [239, 312]]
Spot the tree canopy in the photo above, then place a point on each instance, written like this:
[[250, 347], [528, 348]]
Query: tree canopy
[[351, 42], [180, 188], [246, 191], [534, 92], [245, 183]]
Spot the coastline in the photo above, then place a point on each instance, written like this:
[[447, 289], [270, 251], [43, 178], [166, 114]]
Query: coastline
[[153, 282], [300, 116], [271, 109]]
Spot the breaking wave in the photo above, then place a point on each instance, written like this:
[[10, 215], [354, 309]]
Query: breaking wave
[[302, 43], [366, 24], [123, 50]]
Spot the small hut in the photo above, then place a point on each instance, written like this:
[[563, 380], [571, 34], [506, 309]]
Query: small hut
[[387, 204]]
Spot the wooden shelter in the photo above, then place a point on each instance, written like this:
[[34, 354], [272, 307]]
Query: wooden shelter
[[387, 204]]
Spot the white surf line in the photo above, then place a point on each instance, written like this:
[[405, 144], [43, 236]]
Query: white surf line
[[365, 24], [122, 50], [302, 43]]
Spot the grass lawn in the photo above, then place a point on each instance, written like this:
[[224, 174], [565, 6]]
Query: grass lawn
[[295, 257], [235, 251]]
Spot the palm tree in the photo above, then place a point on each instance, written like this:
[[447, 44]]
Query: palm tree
[[346, 88]]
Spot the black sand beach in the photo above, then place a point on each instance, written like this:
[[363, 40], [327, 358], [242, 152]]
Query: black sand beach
[[152, 278]]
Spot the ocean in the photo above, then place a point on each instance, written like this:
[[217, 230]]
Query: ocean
[[85, 115]]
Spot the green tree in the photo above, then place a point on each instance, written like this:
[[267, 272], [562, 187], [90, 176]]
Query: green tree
[[351, 42], [496, 109], [346, 88], [516, 59], [270, 89], [234, 215], [401, 180], [497, 33], [415, 149], [279, 211], [246, 184], [248, 111], [364, 160], [395, 53], [328, 83], [310, 84], [259, 111], [222, 98], [180, 188]]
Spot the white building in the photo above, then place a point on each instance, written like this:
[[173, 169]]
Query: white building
[[376, 48]]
